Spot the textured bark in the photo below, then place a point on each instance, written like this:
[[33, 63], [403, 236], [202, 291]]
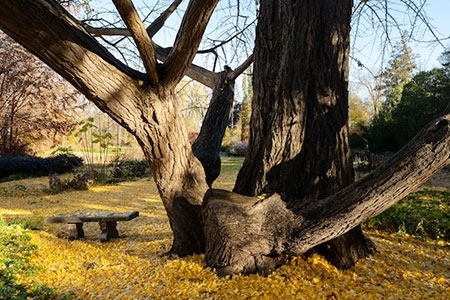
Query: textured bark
[[207, 145], [145, 108], [299, 138], [247, 234]]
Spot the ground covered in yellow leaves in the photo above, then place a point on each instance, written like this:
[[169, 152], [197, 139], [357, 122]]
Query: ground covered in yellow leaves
[[131, 267]]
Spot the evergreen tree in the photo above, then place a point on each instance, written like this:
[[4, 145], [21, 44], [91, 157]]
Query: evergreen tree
[[393, 79], [424, 98], [396, 75]]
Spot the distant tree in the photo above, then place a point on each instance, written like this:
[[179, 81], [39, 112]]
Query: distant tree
[[424, 98], [193, 99], [34, 100], [247, 88], [445, 60], [358, 115], [399, 72]]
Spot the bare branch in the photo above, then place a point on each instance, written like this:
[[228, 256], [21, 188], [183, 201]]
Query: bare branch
[[238, 71], [188, 39], [134, 24], [160, 21], [227, 40]]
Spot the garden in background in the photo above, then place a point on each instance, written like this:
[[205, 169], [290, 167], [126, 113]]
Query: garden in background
[[37, 260]]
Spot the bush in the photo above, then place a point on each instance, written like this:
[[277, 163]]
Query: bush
[[79, 182], [15, 253], [424, 213], [238, 149], [129, 169], [32, 166]]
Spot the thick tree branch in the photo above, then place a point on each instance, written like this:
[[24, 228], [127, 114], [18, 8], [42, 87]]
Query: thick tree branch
[[197, 73], [268, 231], [138, 32], [409, 168], [187, 40], [55, 37]]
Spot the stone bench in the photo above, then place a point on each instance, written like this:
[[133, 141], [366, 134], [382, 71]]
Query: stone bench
[[108, 223]]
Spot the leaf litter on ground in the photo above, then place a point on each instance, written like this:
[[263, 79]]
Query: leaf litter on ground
[[132, 266]]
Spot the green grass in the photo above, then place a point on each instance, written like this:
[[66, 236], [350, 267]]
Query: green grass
[[425, 213]]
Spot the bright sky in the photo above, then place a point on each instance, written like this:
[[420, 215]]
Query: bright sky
[[438, 13], [367, 47]]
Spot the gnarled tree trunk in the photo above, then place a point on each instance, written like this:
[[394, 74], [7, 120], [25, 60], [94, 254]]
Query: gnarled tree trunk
[[207, 145], [144, 104], [299, 138], [248, 234]]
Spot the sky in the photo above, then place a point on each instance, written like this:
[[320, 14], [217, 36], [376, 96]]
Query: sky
[[368, 49], [367, 46]]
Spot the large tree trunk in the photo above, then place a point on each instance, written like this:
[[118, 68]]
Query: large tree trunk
[[144, 104], [248, 235], [299, 138], [179, 176]]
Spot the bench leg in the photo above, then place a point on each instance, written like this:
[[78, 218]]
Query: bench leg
[[109, 230], [75, 231]]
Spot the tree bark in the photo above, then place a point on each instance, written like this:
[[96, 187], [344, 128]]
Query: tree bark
[[145, 108], [299, 139], [248, 234], [207, 145]]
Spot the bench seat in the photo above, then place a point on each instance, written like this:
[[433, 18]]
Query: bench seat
[[107, 221]]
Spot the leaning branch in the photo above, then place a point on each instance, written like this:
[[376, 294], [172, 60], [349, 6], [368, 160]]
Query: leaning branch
[[266, 232], [138, 32], [407, 170], [240, 69]]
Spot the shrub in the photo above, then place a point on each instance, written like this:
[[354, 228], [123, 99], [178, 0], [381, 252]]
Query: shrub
[[129, 169], [15, 253], [238, 149], [31, 166], [79, 182]]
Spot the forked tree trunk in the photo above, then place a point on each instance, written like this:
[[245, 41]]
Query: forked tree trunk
[[144, 104], [299, 138]]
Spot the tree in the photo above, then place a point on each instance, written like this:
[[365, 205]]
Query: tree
[[393, 79], [359, 113], [246, 107], [424, 98], [264, 231], [33, 100], [396, 75], [282, 158]]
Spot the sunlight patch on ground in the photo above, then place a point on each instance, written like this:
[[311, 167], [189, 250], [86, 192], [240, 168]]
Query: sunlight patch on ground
[[132, 267]]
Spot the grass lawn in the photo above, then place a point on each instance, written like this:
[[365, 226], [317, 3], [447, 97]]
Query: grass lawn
[[131, 267]]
